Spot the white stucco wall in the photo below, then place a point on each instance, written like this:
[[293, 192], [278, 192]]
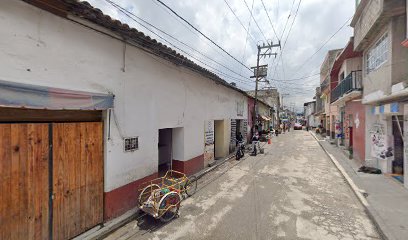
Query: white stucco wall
[[37, 47]]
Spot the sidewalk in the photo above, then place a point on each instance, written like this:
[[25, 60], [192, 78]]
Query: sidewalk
[[387, 199], [103, 230]]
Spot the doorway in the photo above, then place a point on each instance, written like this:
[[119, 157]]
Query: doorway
[[236, 129], [219, 149], [398, 133], [165, 150]]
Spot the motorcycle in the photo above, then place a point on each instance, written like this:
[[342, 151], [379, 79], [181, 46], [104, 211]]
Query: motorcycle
[[240, 152]]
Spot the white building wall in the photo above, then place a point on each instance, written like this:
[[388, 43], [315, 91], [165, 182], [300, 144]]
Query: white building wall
[[37, 47]]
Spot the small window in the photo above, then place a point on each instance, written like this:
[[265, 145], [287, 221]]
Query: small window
[[131, 144], [377, 55]]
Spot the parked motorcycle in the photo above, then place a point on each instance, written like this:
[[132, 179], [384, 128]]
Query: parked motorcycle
[[240, 152]]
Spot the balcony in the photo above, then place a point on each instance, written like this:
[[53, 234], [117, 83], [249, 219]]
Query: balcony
[[349, 88], [324, 85]]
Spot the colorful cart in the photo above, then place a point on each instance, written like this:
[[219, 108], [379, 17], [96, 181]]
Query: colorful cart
[[161, 197]]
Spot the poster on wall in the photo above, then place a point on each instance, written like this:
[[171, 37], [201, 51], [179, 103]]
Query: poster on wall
[[380, 147], [244, 128], [209, 132], [208, 142], [338, 128]]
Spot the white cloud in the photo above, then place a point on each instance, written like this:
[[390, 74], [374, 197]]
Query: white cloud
[[316, 21]]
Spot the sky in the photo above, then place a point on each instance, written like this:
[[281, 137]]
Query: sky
[[229, 24]]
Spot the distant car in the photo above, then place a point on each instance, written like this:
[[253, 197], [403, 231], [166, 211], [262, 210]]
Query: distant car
[[297, 126]]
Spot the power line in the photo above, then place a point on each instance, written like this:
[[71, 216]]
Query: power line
[[209, 39], [246, 38], [293, 79], [120, 8], [219, 72], [270, 21], [247, 30], [190, 30], [287, 36], [284, 28], [320, 48], [290, 29], [254, 21]]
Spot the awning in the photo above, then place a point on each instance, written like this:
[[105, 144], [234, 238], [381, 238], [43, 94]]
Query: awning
[[265, 118], [20, 95], [387, 109]]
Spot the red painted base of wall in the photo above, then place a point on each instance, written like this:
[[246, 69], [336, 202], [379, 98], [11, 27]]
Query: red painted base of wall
[[189, 167], [405, 43], [122, 199]]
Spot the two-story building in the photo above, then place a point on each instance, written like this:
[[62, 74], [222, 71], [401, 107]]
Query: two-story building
[[329, 115], [346, 96], [309, 109], [380, 27]]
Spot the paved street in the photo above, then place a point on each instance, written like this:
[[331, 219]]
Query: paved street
[[293, 191]]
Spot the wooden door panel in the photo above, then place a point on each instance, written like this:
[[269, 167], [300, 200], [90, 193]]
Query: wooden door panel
[[24, 195], [77, 178]]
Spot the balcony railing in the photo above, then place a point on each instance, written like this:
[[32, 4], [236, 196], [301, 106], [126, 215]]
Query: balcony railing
[[351, 83], [324, 85]]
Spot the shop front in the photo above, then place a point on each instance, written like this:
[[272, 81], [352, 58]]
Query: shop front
[[387, 145]]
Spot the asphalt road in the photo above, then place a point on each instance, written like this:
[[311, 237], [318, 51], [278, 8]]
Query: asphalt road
[[293, 191]]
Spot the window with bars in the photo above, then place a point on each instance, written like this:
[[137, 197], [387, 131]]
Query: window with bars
[[377, 55], [131, 144]]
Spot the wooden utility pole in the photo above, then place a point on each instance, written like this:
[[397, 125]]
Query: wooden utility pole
[[260, 72]]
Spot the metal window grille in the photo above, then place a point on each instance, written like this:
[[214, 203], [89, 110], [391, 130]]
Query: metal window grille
[[131, 144]]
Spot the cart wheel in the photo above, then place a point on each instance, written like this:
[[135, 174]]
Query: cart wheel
[[146, 192], [169, 206], [191, 186]]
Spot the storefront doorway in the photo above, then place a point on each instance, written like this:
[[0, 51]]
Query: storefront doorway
[[398, 133], [219, 140]]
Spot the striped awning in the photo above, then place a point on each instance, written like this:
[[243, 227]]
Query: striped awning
[[387, 109], [20, 95]]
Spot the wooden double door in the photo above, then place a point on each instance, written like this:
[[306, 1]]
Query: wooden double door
[[51, 179]]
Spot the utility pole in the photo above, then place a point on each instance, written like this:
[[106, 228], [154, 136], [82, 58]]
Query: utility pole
[[284, 95], [260, 72]]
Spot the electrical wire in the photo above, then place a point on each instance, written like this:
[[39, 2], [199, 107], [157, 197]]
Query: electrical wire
[[200, 37], [254, 21], [270, 21], [287, 36], [117, 6], [202, 62], [247, 30], [293, 79], [246, 38], [284, 28], [201, 33], [321, 47]]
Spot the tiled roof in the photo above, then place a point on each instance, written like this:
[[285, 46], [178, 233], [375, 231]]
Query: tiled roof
[[86, 11]]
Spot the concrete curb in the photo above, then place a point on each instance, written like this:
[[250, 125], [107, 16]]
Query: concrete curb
[[372, 214]]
